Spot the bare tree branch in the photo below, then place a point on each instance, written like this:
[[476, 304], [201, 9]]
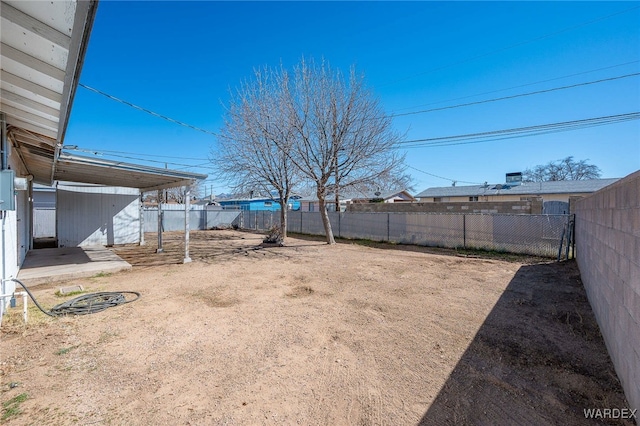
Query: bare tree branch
[[315, 126], [564, 169]]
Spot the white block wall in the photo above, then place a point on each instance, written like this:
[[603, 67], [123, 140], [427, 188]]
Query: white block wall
[[608, 254]]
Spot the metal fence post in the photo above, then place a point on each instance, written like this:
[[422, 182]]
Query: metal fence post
[[573, 236], [464, 231], [388, 226]]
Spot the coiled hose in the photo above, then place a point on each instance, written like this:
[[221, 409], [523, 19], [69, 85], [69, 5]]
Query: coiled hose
[[85, 304]]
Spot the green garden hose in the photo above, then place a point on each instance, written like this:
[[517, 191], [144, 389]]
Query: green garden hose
[[85, 304]]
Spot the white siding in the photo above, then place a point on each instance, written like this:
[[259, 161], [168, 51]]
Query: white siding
[[16, 229], [96, 215], [44, 222]]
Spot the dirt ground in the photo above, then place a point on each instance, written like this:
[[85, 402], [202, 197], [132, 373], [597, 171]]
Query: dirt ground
[[315, 335]]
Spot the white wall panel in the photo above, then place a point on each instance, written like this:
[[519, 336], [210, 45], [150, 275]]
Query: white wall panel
[[16, 225], [95, 215]]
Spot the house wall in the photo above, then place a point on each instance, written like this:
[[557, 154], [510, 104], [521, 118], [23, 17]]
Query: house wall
[[515, 207], [15, 244], [608, 254], [96, 215], [506, 197], [253, 205]]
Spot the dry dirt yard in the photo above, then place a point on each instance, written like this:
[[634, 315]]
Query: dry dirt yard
[[315, 335]]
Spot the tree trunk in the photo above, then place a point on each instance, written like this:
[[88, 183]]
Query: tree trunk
[[325, 220], [283, 220]]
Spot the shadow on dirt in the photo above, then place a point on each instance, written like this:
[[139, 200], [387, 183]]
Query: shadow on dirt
[[538, 358], [464, 253], [204, 246]]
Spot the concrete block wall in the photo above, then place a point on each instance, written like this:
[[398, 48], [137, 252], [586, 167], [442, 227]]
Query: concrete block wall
[[608, 255], [506, 207]]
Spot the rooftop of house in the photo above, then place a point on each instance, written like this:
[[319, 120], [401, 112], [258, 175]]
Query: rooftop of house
[[527, 188], [361, 195]]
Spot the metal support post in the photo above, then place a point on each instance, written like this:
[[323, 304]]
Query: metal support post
[[142, 218], [30, 202], [187, 201], [159, 249]]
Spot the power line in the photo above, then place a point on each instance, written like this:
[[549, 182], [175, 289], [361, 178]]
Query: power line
[[144, 159], [390, 116], [520, 85], [537, 92], [542, 37], [106, 151], [155, 114], [518, 132], [441, 177]]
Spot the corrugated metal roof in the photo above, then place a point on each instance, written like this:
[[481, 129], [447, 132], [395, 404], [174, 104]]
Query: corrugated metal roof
[[529, 188], [75, 168]]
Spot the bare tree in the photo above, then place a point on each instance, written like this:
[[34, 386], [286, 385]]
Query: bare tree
[[343, 137], [177, 194], [253, 147], [388, 182], [564, 169]]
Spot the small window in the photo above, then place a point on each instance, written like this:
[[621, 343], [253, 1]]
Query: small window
[[437, 199], [473, 198], [268, 203]]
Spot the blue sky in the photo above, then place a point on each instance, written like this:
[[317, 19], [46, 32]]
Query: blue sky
[[181, 59]]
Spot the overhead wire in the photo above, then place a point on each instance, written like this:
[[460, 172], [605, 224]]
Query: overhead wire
[[167, 118], [517, 87], [148, 111], [94, 152], [442, 177], [106, 151], [518, 132], [493, 52], [519, 95]]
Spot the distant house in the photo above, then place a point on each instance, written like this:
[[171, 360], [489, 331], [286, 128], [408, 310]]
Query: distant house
[[555, 195], [259, 204], [311, 204]]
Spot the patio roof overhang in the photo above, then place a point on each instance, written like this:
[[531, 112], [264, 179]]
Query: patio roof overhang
[[75, 168], [42, 49]]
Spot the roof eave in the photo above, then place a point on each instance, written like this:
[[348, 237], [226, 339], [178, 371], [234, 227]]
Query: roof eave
[[82, 24]]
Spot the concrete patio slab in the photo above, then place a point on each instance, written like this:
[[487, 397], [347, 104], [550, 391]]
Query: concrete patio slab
[[60, 264]]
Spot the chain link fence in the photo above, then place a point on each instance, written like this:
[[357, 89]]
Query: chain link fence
[[540, 235], [199, 218]]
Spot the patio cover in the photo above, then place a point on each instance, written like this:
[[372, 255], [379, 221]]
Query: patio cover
[[75, 168], [42, 49]]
